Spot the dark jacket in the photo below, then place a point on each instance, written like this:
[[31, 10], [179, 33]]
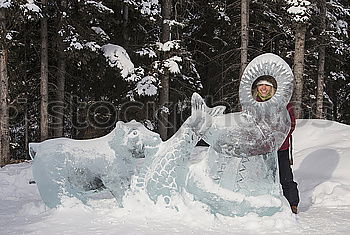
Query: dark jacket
[[286, 144]]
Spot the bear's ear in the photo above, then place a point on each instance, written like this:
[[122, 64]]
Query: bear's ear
[[33, 149], [119, 125], [118, 133]]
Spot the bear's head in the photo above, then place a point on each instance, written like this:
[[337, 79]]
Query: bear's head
[[138, 140]]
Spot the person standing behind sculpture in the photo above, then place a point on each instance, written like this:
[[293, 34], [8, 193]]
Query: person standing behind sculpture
[[263, 91]]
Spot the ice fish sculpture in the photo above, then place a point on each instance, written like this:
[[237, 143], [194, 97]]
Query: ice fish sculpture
[[237, 174]]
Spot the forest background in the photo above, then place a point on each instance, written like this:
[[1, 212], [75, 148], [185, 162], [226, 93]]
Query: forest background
[[74, 68]]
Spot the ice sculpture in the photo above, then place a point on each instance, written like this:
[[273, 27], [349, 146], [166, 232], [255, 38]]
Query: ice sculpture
[[242, 157], [75, 167], [237, 174]]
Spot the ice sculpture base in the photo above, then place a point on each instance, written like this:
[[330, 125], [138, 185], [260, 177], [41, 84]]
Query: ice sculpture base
[[230, 187]]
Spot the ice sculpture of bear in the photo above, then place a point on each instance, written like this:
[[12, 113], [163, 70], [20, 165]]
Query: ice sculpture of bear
[[74, 167], [232, 179]]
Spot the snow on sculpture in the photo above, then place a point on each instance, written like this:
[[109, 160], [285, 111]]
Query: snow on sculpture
[[237, 175]]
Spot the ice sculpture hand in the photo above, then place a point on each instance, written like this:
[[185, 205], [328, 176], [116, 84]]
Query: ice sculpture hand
[[201, 115]]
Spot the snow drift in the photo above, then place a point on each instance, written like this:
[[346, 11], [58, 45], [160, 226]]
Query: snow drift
[[321, 156]]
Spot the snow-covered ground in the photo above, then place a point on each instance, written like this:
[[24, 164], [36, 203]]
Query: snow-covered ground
[[322, 162]]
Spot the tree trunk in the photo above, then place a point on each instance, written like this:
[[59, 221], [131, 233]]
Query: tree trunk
[[61, 77], [335, 103], [163, 122], [125, 23], [26, 132], [26, 117], [299, 69], [4, 114], [321, 61], [44, 117], [244, 34]]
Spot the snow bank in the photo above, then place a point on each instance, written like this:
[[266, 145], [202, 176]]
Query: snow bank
[[321, 156], [322, 150]]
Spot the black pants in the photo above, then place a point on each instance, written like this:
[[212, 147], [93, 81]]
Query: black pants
[[289, 187]]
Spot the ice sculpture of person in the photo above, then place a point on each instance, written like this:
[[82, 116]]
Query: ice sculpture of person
[[263, 91], [242, 157]]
